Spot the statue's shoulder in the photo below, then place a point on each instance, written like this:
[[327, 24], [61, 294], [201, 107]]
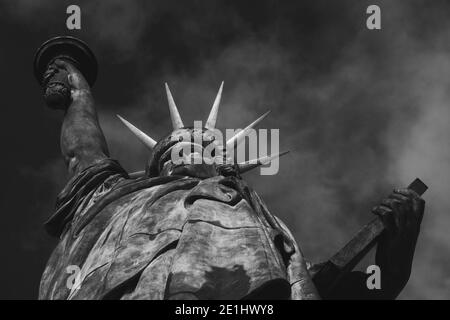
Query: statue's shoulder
[[92, 182]]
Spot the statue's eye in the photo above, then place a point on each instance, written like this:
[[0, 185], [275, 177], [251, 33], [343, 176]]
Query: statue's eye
[[180, 139]]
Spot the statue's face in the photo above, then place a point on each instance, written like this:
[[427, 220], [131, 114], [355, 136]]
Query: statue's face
[[188, 145]]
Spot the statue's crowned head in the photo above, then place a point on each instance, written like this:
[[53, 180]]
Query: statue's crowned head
[[197, 150]]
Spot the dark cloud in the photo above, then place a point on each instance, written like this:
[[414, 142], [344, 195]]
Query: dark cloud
[[362, 110]]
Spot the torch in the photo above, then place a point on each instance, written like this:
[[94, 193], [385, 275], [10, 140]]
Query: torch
[[54, 81]]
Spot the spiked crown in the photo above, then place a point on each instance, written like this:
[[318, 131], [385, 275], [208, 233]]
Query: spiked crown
[[177, 124]]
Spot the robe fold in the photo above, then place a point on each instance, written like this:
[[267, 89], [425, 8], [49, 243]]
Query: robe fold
[[171, 237]]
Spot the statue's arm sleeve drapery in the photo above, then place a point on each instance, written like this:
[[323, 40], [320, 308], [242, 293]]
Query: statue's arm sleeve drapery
[[78, 188]]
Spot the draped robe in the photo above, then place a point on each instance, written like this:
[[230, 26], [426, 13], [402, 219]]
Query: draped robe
[[172, 237]]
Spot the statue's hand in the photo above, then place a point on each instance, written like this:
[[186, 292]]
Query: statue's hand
[[401, 213], [76, 80]]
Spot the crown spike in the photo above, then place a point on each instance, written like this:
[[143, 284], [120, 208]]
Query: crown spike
[[239, 137], [177, 123], [145, 139], [250, 165], [212, 119]]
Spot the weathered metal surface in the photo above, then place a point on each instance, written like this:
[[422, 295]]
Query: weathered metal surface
[[172, 238]]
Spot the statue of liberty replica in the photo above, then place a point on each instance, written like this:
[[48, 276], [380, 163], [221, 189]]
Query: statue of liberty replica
[[188, 230]]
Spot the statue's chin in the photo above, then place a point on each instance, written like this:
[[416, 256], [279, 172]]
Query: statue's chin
[[201, 171]]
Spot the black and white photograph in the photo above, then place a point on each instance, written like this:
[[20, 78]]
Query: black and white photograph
[[225, 151]]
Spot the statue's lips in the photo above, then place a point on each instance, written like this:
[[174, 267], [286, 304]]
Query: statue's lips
[[195, 151]]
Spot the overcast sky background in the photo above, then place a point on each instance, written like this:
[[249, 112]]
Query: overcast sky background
[[362, 111]]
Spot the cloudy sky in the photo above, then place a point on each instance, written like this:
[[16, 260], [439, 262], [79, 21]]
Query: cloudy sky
[[361, 111]]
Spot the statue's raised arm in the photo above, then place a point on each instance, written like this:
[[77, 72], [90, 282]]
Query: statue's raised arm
[[82, 139], [57, 67]]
